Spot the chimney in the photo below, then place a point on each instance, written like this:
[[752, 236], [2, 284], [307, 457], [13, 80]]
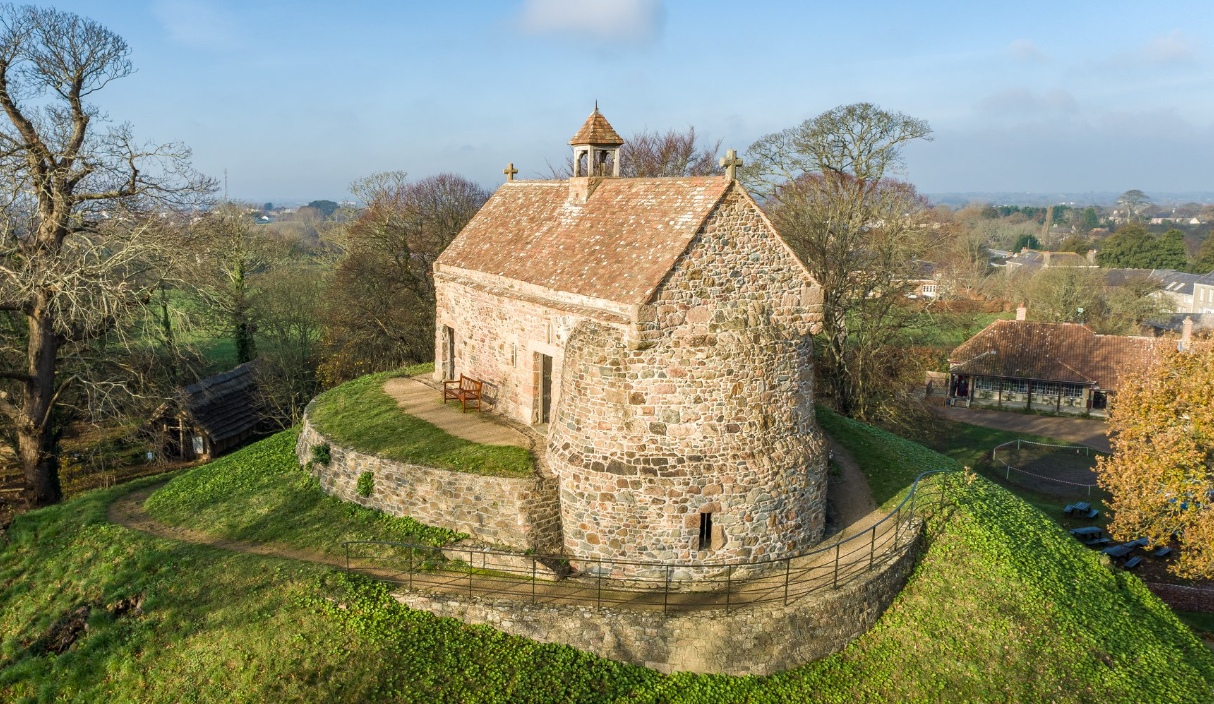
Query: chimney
[[1186, 334], [1091, 256], [1046, 256], [1022, 313]]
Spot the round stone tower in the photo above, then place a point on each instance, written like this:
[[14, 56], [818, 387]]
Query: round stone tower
[[689, 448]]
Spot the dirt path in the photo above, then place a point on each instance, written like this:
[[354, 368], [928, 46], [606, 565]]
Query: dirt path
[[425, 402], [804, 577], [1092, 433], [849, 500], [128, 511]]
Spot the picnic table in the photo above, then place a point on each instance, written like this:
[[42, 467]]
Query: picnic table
[[1081, 508], [1125, 548]]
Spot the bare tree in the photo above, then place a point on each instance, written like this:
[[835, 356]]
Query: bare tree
[[381, 305], [859, 233], [860, 141], [1135, 203], [77, 260], [231, 249]]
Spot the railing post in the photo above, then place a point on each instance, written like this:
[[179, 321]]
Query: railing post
[[533, 579], [347, 557], [787, 569], [666, 592], [410, 569], [728, 585], [598, 597], [897, 525], [838, 547], [470, 572], [872, 547]]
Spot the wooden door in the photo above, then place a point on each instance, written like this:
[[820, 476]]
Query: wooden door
[[545, 388]]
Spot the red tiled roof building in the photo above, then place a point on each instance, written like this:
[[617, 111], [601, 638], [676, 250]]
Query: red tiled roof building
[[658, 330], [1060, 367]]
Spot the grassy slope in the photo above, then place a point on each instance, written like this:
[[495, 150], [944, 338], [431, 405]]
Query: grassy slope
[[259, 494], [1003, 607], [359, 414]]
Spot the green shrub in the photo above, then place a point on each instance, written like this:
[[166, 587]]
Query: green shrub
[[320, 454], [366, 484]]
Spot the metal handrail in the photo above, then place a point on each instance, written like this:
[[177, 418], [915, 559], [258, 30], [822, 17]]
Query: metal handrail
[[791, 581]]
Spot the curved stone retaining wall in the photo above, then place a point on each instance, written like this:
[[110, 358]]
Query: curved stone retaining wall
[[759, 640], [520, 512]]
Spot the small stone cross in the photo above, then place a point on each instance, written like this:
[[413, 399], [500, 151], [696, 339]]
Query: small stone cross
[[730, 162], [510, 171]]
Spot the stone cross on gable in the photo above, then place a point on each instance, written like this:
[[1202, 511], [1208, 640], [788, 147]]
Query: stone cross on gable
[[510, 171], [730, 162]]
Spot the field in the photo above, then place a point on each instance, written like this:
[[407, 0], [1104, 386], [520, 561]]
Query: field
[[1003, 606], [1049, 470]]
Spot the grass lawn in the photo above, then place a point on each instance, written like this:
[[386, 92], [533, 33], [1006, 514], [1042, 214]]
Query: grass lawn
[[1202, 623], [968, 444], [260, 494], [1003, 606], [359, 414]]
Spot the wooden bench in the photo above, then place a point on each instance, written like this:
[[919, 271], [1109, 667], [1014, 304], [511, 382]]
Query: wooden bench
[[466, 390]]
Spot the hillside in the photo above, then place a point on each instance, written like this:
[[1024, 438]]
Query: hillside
[[1003, 606]]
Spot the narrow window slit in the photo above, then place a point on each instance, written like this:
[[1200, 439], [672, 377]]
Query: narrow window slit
[[706, 531]]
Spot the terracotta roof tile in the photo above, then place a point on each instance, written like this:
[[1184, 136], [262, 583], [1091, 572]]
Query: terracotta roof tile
[[617, 246], [1067, 352], [596, 130]]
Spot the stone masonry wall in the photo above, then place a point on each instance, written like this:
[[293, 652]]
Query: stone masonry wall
[[759, 640], [709, 408], [499, 333], [520, 512]]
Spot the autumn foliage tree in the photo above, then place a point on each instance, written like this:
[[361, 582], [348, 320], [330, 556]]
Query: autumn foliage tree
[[1161, 472]]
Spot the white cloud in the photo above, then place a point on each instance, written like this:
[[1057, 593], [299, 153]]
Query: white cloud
[[600, 21], [1022, 101], [1176, 47], [196, 23], [1026, 50], [1172, 49]]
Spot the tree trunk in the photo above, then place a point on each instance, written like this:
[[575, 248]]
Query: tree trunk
[[35, 436]]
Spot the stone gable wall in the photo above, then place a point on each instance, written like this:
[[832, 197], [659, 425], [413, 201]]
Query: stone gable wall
[[520, 512], [710, 411]]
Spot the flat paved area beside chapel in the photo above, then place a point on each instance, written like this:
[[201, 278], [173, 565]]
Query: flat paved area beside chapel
[[1077, 430], [425, 402]]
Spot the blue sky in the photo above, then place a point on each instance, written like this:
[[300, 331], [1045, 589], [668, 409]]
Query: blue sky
[[296, 99]]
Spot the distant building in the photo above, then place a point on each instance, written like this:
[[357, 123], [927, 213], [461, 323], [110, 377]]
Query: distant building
[[1203, 294], [1176, 287], [1030, 259], [1055, 367]]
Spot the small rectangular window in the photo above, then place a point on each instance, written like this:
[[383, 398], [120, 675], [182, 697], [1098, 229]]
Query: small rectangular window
[[705, 531]]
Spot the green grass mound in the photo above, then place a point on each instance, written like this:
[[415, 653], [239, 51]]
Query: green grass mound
[[260, 494], [359, 415], [1003, 607]]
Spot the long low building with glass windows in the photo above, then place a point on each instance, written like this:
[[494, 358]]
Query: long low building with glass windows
[[1051, 367]]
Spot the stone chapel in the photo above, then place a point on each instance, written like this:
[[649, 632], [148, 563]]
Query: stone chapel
[[657, 330]]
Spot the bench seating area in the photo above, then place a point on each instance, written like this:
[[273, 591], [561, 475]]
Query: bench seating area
[[466, 390], [1094, 537]]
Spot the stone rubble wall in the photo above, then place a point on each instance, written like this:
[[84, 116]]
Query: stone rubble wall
[[758, 640], [499, 333], [708, 408], [519, 512]]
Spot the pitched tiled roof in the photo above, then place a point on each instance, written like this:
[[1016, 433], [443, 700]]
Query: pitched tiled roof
[[1051, 352], [597, 130], [617, 246]]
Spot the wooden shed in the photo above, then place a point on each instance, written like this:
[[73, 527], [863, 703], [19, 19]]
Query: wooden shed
[[212, 417]]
